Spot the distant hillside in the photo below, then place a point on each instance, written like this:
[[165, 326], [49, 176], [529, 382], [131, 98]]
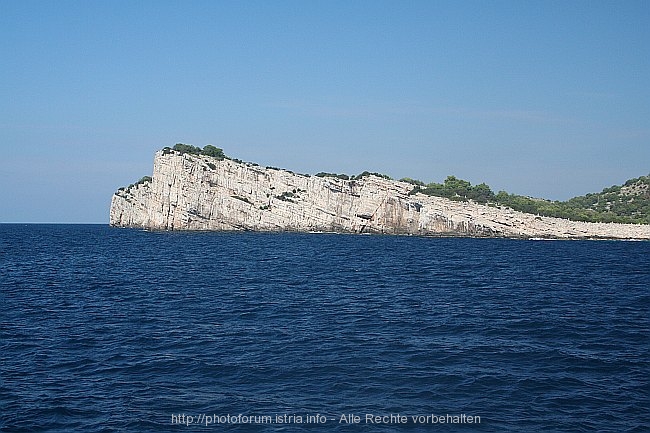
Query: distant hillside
[[628, 203]]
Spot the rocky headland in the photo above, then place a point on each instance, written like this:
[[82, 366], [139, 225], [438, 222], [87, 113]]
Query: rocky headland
[[199, 192]]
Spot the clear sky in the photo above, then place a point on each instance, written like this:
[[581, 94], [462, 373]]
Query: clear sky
[[543, 98]]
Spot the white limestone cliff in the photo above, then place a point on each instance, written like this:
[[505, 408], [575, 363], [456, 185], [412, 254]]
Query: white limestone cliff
[[194, 192]]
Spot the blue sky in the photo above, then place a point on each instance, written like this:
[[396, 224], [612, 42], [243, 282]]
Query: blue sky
[[542, 98]]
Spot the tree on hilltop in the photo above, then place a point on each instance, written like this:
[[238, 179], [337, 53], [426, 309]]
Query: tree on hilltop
[[215, 152], [187, 148]]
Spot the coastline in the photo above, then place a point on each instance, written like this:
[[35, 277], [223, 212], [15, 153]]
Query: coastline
[[196, 192]]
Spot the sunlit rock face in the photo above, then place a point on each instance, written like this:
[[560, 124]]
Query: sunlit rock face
[[194, 192]]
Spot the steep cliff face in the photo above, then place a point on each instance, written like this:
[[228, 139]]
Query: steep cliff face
[[192, 192]]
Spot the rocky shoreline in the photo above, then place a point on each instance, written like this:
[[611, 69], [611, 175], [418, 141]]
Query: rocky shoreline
[[197, 192]]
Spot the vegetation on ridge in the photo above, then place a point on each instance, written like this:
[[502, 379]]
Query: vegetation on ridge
[[208, 150], [629, 203], [357, 177], [455, 189]]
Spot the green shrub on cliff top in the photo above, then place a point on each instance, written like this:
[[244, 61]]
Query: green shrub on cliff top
[[215, 152], [338, 176], [373, 173], [187, 148], [208, 150]]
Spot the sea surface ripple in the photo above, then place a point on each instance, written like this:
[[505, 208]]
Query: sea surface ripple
[[120, 330]]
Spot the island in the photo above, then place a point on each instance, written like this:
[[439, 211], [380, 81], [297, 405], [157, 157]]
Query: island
[[202, 189]]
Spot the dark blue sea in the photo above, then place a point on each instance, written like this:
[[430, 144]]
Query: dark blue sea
[[118, 330]]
